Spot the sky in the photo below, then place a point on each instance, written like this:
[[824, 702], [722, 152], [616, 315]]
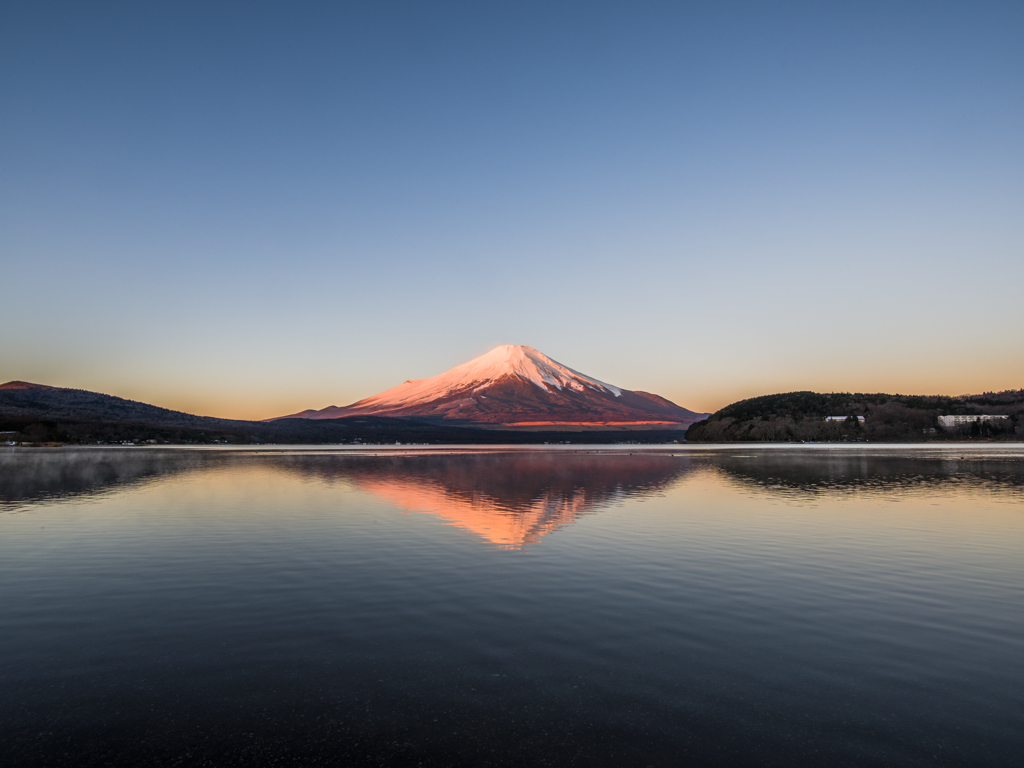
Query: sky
[[246, 210]]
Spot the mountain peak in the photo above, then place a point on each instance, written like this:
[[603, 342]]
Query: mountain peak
[[517, 386], [24, 385], [514, 360]]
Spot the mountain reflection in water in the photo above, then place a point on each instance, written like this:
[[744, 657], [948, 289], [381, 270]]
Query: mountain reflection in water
[[508, 499], [799, 606], [475, 489]]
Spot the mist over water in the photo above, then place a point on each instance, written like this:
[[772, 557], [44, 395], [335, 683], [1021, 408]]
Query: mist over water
[[738, 606]]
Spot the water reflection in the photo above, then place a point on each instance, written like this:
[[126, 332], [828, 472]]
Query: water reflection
[[508, 499], [32, 475], [511, 500], [825, 470], [821, 606]]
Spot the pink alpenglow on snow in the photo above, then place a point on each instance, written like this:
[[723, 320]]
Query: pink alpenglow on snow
[[517, 386]]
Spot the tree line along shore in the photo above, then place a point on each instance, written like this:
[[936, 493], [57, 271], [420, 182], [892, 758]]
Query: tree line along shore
[[832, 417], [48, 415]]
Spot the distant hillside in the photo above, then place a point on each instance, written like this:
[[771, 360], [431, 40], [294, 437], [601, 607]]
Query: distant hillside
[[22, 400], [802, 416], [36, 413]]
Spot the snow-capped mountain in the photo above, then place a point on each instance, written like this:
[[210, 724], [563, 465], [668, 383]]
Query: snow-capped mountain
[[517, 386]]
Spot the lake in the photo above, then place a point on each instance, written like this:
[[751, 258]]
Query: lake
[[612, 606]]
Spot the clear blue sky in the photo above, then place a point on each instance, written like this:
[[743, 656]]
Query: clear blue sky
[[249, 209]]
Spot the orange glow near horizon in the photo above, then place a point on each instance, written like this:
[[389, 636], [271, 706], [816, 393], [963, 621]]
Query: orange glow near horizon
[[257, 400], [257, 407]]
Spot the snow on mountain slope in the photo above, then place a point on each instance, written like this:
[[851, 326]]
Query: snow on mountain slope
[[518, 386], [525, 363]]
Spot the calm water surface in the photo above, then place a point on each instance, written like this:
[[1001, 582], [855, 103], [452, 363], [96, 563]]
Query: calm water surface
[[619, 607]]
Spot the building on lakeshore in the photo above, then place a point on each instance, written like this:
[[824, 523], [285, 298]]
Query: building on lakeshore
[[843, 418], [960, 420]]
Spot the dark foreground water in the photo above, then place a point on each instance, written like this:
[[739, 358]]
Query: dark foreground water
[[828, 606]]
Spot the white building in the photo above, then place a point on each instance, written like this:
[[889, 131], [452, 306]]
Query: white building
[[843, 418], [960, 420]]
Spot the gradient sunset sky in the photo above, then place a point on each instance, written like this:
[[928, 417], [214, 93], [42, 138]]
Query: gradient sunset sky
[[250, 209]]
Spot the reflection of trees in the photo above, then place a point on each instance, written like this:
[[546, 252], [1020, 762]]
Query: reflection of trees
[[507, 497], [516, 496], [826, 471], [510, 497], [39, 473]]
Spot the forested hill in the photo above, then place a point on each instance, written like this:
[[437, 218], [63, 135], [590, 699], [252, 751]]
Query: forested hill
[[799, 416]]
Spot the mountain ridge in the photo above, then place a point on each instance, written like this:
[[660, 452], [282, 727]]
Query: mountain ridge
[[515, 386], [37, 414]]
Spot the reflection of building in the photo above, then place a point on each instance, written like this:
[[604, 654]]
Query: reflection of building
[[960, 420]]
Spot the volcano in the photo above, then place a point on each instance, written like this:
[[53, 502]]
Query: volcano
[[519, 387]]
